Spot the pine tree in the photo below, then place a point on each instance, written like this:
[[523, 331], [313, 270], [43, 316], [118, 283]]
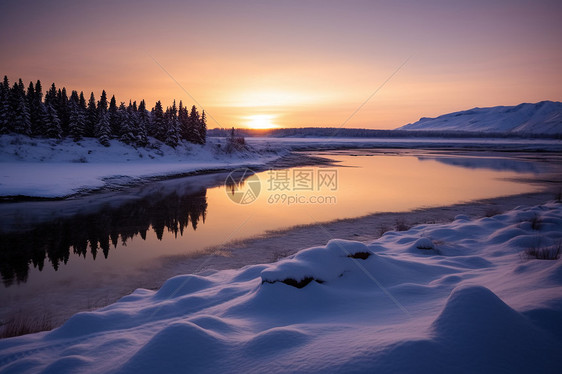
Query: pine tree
[[183, 118], [143, 124], [114, 117], [43, 123], [103, 129], [92, 116], [51, 96], [63, 110], [19, 119], [6, 83], [194, 119], [33, 111], [102, 104], [158, 129], [126, 134], [54, 129], [203, 128], [36, 107], [77, 123], [38, 91], [82, 101], [172, 126], [4, 106]]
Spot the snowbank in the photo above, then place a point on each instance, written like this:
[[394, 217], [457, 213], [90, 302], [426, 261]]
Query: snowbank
[[460, 297], [58, 168]]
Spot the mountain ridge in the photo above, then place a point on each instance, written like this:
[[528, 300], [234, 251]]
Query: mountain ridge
[[544, 117]]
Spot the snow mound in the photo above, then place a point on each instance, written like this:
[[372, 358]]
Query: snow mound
[[348, 306], [544, 117]]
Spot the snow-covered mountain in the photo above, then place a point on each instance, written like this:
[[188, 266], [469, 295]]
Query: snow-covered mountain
[[540, 118]]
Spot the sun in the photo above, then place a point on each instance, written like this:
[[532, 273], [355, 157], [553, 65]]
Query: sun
[[260, 121]]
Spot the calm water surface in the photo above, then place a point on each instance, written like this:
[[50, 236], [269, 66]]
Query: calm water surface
[[95, 239]]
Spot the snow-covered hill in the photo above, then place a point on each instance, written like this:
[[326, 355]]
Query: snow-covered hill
[[540, 118]]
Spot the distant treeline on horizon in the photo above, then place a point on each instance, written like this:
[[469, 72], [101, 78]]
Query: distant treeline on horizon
[[335, 132], [25, 112]]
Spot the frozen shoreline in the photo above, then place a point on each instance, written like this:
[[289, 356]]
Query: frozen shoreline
[[56, 169]]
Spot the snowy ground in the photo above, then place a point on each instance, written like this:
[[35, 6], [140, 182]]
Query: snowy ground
[[455, 297], [58, 168]]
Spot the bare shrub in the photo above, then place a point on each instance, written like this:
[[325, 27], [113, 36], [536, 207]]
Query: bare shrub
[[401, 225], [383, 229], [543, 253]]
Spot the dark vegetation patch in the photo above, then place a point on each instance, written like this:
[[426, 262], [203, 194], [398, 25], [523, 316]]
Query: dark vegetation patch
[[543, 253], [22, 325], [294, 283], [401, 225], [360, 255]]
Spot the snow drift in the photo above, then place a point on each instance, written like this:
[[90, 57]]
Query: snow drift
[[466, 296], [544, 117]]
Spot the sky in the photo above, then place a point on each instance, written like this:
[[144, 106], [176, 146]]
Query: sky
[[248, 63]]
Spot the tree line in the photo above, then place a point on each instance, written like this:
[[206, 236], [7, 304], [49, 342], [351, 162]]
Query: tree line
[[57, 115]]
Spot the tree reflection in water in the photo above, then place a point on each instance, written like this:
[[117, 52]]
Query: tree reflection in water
[[97, 232]]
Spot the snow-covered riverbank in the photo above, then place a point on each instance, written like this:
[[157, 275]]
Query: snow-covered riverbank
[[58, 168], [50, 168], [466, 296]]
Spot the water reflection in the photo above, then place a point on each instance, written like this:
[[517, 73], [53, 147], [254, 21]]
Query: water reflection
[[97, 232], [490, 163], [145, 224]]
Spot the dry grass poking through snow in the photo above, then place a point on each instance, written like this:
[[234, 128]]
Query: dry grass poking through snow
[[22, 325]]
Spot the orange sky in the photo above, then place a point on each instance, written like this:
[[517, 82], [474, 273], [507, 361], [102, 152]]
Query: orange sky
[[292, 63]]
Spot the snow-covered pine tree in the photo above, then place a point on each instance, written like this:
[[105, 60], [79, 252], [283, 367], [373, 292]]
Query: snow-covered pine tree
[[43, 121], [82, 101], [63, 110], [203, 128], [54, 129], [92, 116], [36, 105], [172, 134], [194, 119], [51, 96], [183, 118], [172, 126], [33, 111], [114, 117], [126, 132], [102, 104], [4, 106], [103, 129], [19, 121], [143, 124], [77, 123], [158, 129]]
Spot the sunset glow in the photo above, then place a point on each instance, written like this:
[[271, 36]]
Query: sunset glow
[[312, 63], [260, 121]]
